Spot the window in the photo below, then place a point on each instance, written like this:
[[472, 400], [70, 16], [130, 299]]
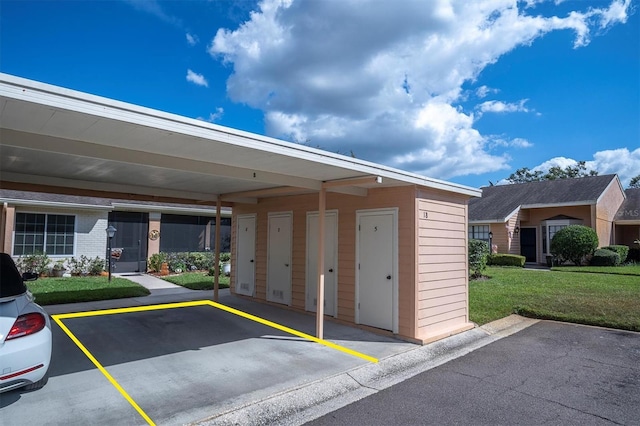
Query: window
[[479, 232], [52, 234]]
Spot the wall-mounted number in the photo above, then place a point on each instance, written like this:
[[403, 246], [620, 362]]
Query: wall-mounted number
[[375, 229], [246, 229]]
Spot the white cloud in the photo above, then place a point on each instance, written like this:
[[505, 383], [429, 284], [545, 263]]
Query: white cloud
[[197, 79], [383, 80], [192, 39], [154, 8], [214, 116], [621, 161], [484, 91], [502, 107]]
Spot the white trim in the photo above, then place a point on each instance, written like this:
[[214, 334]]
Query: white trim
[[568, 204], [169, 209], [395, 307], [15, 202], [333, 212]]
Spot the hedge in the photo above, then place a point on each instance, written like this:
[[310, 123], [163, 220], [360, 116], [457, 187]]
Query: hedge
[[573, 243], [506, 260], [623, 251], [603, 257], [478, 252]]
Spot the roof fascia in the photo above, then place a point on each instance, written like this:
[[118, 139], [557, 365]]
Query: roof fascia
[[53, 204], [58, 97], [547, 205], [168, 209]]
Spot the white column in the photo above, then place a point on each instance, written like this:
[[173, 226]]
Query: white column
[[320, 295], [216, 261]]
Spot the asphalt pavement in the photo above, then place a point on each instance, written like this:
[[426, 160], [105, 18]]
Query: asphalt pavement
[[206, 366], [550, 373]]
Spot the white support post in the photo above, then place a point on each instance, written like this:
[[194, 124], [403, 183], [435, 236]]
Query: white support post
[[320, 295], [216, 261]]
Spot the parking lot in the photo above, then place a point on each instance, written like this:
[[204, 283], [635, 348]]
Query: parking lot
[[184, 364]]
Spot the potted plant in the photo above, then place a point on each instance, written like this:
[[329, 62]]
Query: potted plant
[[58, 268]]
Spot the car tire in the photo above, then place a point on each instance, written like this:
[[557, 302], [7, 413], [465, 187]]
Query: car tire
[[37, 385]]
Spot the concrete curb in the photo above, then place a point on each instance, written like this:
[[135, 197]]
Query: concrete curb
[[300, 405]]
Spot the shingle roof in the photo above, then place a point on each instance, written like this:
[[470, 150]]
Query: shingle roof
[[498, 202], [630, 208]]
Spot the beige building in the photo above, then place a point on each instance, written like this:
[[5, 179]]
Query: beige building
[[393, 256], [523, 218]]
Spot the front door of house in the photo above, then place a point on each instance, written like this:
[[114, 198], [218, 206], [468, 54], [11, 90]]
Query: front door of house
[[129, 244], [279, 258], [376, 274], [245, 269], [528, 243]]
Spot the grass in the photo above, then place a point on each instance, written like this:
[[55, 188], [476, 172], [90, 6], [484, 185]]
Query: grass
[[607, 300], [51, 291], [620, 270], [197, 280]]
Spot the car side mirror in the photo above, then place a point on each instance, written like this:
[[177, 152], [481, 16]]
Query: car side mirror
[[29, 276]]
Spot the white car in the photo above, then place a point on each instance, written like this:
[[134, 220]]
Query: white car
[[25, 332]]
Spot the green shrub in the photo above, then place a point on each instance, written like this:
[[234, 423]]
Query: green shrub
[[603, 257], [573, 243], [37, 262], [155, 262], [499, 259], [623, 251], [478, 253], [96, 266]]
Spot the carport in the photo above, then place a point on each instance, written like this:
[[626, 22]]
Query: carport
[[59, 140]]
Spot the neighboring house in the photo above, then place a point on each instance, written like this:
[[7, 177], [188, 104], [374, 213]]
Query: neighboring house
[[523, 218], [65, 226], [627, 220]]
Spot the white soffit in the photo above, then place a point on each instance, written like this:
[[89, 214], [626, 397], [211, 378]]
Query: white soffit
[[51, 135]]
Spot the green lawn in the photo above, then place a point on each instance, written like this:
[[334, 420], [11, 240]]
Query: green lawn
[[621, 270], [51, 291], [607, 300], [197, 280]]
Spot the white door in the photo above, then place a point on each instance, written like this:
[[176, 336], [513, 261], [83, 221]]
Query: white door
[[330, 262], [245, 269], [279, 263], [376, 275]]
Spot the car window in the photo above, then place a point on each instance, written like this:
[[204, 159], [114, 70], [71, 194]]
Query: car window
[[11, 283]]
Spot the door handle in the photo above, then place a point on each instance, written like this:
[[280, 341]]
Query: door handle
[[251, 261], [388, 277], [331, 270], [286, 264]]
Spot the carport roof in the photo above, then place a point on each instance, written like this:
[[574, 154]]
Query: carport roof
[[60, 137]]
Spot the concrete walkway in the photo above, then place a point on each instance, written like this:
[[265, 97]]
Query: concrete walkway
[[152, 283]]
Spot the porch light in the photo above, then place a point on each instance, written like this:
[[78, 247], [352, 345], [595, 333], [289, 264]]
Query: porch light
[[516, 230], [490, 242]]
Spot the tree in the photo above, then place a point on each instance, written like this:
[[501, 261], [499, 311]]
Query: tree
[[556, 172], [635, 182]]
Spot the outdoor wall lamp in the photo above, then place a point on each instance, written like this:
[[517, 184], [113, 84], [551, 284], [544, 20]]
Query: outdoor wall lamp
[[111, 231], [516, 231]]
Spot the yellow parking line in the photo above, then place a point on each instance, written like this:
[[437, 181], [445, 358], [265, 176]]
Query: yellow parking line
[[59, 317], [103, 370]]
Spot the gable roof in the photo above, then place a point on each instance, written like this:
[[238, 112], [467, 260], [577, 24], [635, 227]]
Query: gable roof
[[629, 211], [499, 202]]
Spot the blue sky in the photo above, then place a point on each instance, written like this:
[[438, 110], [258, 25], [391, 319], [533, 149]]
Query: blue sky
[[456, 90]]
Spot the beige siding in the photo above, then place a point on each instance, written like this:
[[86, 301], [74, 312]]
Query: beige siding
[[605, 212], [346, 205], [442, 274], [504, 236]]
